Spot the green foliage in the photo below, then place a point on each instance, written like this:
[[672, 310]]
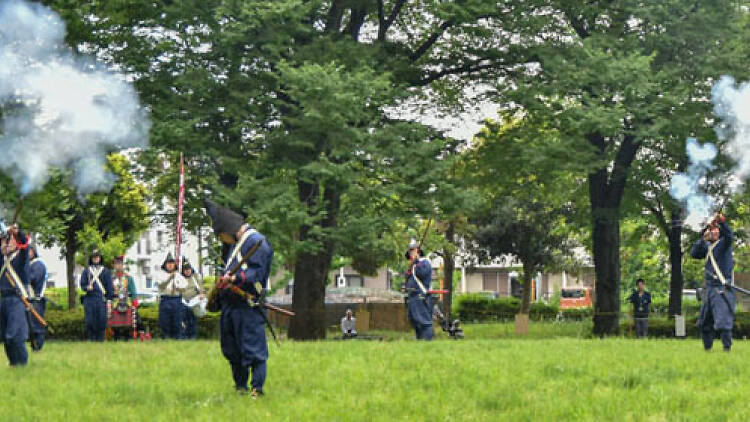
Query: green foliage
[[474, 307]]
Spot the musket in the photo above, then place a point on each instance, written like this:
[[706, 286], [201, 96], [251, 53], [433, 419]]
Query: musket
[[212, 303]]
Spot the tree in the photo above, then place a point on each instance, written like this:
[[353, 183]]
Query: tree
[[532, 198], [614, 77], [110, 220]]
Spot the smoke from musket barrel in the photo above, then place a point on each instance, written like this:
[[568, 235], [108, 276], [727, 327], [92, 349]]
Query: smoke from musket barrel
[[686, 186], [732, 107], [59, 109]]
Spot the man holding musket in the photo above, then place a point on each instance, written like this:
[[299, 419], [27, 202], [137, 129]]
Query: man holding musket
[[717, 309], [417, 286], [242, 323], [14, 327]]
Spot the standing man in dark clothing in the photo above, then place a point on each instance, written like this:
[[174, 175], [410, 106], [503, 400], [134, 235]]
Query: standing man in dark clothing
[[419, 303], [14, 327], [641, 300], [717, 309], [96, 281], [242, 324], [37, 277]]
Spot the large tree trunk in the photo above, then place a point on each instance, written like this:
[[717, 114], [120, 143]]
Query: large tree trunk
[[448, 267], [606, 189], [675, 260], [311, 268], [606, 245], [71, 248]]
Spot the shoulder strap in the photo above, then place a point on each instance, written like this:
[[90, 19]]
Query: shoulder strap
[[714, 264], [12, 276], [419, 282], [94, 277], [237, 251]]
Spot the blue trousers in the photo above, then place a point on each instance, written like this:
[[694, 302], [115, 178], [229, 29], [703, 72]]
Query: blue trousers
[[14, 329], [191, 324], [37, 330], [95, 317], [708, 333], [171, 317], [243, 343]]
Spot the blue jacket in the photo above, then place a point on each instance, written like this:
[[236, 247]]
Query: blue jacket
[[37, 275], [257, 269], [722, 252], [419, 306], [18, 264], [640, 304], [105, 278]]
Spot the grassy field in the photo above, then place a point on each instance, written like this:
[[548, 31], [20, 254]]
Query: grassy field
[[497, 377]]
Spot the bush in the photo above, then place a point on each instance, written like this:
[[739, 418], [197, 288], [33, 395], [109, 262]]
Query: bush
[[663, 327], [577, 314], [474, 307]]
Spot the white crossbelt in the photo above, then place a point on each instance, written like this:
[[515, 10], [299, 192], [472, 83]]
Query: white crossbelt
[[94, 274], [12, 276], [237, 251], [714, 264], [419, 282]]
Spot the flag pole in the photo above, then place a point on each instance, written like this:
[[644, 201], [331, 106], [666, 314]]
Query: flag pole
[[180, 202]]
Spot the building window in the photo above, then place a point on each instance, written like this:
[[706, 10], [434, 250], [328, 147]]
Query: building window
[[139, 246], [353, 280], [149, 282], [148, 245], [489, 281], [159, 238]]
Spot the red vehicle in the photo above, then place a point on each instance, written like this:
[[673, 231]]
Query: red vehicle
[[576, 297]]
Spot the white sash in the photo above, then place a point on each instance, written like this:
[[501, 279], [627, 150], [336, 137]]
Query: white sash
[[12, 276], [94, 274], [237, 251], [419, 282], [714, 264]]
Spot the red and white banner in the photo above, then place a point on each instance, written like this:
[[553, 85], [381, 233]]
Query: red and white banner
[[180, 202]]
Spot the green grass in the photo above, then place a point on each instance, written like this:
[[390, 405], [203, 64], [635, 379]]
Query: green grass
[[497, 377]]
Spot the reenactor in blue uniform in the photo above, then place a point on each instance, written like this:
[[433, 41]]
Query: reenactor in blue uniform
[[193, 290], [242, 323], [96, 282], [417, 286], [14, 325], [717, 309], [171, 309], [37, 277], [641, 300]]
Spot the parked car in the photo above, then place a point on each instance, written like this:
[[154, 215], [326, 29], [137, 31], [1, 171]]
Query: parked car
[[690, 294], [576, 297]]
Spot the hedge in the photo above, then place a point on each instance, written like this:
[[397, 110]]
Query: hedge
[[664, 327], [471, 307], [69, 325]]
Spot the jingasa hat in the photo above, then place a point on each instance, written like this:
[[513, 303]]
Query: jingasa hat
[[186, 264], [168, 259], [412, 245], [223, 220]]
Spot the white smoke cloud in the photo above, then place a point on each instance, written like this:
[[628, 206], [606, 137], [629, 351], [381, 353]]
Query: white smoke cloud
[[60, 110], [686, 186], [732, 106]]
